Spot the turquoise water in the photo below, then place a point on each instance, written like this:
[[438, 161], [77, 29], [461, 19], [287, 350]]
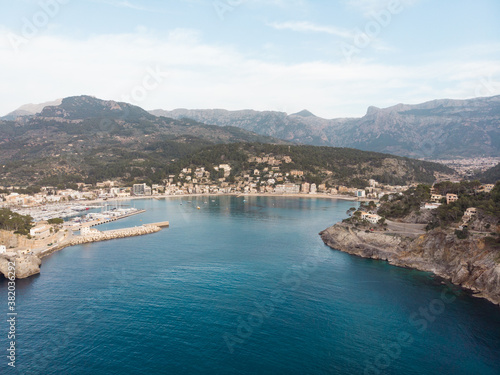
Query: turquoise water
[[242, 287]]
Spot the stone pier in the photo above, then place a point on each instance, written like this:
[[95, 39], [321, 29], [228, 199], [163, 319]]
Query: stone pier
[[113, 234]]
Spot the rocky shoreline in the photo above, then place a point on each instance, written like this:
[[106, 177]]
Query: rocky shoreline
[[468, 263]]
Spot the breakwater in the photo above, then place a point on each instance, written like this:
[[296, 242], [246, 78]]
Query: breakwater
[[93, 223], [97, 236], [114, 234], [29, 265]]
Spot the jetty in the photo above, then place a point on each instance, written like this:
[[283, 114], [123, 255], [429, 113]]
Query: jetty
[[162, 224], [97, 236], [29, 261], [110, 219], [94, 235]]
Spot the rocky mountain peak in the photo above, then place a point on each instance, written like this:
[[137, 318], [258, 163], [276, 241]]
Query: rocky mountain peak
[[82, 107], [304, 113]]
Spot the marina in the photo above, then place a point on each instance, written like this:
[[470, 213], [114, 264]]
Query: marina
[[98, 218], [55, 211]]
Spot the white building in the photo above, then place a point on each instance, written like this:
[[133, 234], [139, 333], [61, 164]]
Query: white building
[[430, 206], [226, 168], [287, 189], [141, 189], [436, 198], [372, 218], [40, 231], [469, 214], [85, 231], [360, 193]]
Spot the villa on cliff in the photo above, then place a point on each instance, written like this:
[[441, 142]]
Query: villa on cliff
[[371, 218]]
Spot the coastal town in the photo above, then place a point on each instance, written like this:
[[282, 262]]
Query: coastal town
[[468, 167], [269, 175], [250, 187], [63, 216]]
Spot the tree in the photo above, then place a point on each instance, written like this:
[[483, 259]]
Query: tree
[[462, 234], [350, 211], [56, 221], [19, 224]]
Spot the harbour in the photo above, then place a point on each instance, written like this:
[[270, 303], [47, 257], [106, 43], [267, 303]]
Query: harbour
[[234, 264]]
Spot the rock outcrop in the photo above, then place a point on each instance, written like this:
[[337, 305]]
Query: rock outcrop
[[25, 266], [468, 263]]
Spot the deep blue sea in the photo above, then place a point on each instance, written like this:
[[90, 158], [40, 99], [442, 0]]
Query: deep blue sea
[[242, 286]]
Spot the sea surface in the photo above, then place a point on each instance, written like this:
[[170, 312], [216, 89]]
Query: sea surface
[[242, 286]]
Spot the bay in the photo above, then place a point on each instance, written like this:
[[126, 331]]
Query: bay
[[242, 286]]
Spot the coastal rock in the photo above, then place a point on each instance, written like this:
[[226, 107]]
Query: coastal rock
[[26, 266], [419, 217], [468, 263]]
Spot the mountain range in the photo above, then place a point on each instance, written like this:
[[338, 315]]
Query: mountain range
[[439, 129], [87, 139], [105, 138]]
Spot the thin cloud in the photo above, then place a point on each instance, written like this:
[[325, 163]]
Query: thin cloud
[[205, 75], [304, 26], [123, 4], [368, 7]]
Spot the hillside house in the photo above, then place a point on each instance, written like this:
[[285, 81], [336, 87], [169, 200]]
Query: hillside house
[[470, 213], [450, 198], [436, 198]]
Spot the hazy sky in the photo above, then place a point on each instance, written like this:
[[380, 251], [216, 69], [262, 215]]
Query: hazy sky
[[334, 58]]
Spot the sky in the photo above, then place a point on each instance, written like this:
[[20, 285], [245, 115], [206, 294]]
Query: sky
[[334, 58]]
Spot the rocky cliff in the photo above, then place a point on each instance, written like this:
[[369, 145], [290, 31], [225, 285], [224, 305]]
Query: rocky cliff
[[468, 263]]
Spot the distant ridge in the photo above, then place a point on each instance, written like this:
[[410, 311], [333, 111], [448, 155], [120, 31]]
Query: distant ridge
[[29, 109], [437, 129]]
